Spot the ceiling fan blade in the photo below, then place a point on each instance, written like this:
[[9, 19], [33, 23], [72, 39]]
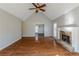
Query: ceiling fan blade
[[42, 5], [42, 10], [31, 8], [38, 4], [36, 11], [34, 5]]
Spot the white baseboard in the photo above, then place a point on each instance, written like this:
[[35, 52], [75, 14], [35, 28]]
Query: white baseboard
[[9, 44], [27, 36]]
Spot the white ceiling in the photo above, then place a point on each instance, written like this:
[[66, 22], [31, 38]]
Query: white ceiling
[[53, 10], [20, 10]]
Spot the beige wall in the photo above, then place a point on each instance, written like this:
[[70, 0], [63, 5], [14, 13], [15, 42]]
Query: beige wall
[[39, 18], [70, 19], [10, 29]]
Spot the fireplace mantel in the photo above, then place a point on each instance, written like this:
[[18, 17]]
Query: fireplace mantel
[[73, 32], [71, 25]]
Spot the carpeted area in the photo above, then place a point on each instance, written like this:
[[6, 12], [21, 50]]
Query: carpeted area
[[30, 47]]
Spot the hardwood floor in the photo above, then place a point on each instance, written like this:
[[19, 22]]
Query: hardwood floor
[[30, 47]]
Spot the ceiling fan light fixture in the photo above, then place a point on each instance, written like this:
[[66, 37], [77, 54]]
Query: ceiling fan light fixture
[[38, 7]]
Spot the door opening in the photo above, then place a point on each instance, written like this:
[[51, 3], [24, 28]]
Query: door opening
[[39, 31]]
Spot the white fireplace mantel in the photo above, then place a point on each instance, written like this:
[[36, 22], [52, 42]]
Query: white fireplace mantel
[[75, 38]]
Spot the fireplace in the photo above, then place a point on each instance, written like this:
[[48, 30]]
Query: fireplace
[[65, 36]]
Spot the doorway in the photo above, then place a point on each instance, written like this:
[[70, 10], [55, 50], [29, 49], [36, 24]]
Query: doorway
[[39, 30]]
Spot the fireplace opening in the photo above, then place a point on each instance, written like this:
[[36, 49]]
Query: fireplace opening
[[66, 38]]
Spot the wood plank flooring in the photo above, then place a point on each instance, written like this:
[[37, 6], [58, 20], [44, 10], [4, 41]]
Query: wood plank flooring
[[30, 47]]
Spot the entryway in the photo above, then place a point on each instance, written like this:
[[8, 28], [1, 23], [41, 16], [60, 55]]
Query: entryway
[[39, 31]]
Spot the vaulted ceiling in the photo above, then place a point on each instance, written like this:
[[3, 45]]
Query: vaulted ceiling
[[53, 10]]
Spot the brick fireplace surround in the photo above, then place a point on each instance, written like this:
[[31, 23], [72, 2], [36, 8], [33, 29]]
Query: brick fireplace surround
[[66, 41], [66, 36]]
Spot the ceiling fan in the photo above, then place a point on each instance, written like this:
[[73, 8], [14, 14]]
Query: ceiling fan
[[38, 7]]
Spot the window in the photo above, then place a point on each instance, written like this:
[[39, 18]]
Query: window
[[55, 29]]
